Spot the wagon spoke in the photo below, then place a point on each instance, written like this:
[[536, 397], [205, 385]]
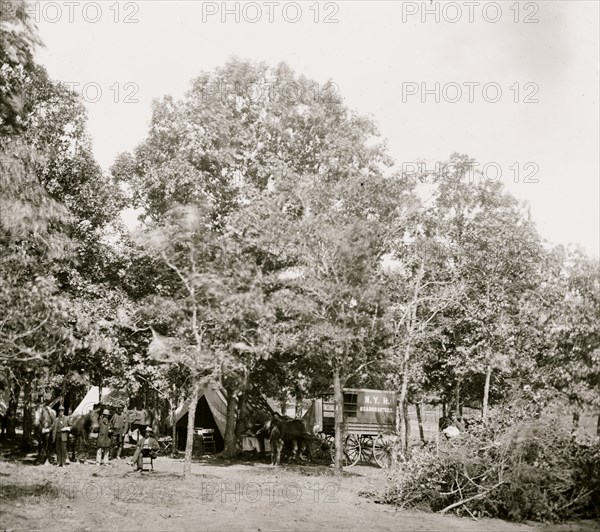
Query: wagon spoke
[[366, 448], [384, 447], [351, 450], [323, 448]]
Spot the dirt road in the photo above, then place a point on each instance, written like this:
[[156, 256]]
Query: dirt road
[[217, 496]]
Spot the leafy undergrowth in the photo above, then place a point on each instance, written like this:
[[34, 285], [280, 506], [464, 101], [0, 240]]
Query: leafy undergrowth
[[524, 471]]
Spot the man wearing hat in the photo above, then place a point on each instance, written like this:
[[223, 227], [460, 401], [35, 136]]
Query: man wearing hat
[[147, 446], [104, 439], [60, 433], [119, 424]]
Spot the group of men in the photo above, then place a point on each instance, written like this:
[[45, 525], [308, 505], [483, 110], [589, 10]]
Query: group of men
[[111, 435]]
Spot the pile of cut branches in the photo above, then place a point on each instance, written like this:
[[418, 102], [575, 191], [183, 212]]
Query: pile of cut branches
[[530, 471]]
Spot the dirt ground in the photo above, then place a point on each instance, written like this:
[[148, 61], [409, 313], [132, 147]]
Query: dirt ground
[[218, 495]]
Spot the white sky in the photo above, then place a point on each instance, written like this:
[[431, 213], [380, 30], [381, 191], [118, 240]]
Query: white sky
[[370, 52]]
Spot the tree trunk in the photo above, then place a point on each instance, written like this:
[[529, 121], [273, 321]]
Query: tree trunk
[[402, 410], [298, 413], [486, 392], [420, 422], [189, 444], [247, 420], [27, 443], [338, 404], [283, 405], [231, 448], [575, 428], [240, 422], [173, 429], [64, 397], [8, 423], [156, 412], [11, 428], [457, 399], [598, 426], [299, 410], [406, 426]]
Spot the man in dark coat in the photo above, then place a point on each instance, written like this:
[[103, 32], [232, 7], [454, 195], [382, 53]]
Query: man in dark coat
[[119, 424], [104, 439], [60, 434]]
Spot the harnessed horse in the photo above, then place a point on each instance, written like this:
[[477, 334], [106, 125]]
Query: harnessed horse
[[81, 426], [285, 430], [43, 418]]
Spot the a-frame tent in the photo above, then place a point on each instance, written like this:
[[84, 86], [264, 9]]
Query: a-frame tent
[[217, 403], [212, 407], [95, 395]]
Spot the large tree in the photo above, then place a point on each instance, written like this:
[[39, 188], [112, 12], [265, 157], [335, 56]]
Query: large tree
[[565, 331], [495, 251], [225, 146], [242, 125], [336, 236], [57, 213]]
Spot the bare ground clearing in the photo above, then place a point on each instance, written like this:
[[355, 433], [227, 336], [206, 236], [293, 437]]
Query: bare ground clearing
[[219, 495]]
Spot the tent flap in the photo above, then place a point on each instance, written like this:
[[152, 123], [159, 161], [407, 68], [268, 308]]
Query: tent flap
[[216, 403]]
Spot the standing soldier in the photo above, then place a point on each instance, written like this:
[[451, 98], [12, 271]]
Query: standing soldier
[[119, 424], [60, 433], [103, 439]]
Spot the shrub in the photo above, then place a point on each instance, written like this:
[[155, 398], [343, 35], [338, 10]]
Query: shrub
[[529, 470]]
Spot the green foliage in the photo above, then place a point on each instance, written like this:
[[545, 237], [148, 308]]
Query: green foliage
[[491, 246], [529, 470], [55, 207], [572, 364], [18, 41], [276, 254], [224, 142]]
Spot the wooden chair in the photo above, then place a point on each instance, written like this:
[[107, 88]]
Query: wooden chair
[[147, 460], [208, 440]]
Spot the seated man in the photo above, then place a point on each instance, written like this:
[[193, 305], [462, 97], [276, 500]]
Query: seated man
[[147, 446]]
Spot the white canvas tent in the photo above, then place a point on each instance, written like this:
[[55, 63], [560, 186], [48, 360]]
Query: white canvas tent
[[217, 403], [93, 396]]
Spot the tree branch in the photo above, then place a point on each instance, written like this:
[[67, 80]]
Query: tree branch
[[351, 374], [474, 497], [177, 271]]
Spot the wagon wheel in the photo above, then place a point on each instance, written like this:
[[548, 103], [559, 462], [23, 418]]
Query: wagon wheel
[[351, 450], [322, 452], [366, 448], [384, 447]]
